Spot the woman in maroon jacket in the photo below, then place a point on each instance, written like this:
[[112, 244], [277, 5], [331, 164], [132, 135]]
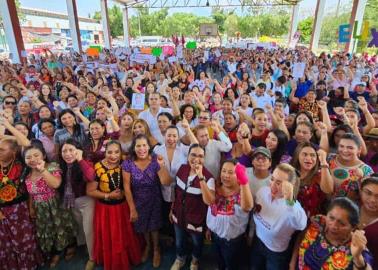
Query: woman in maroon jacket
[[76, 172], [195, 189]]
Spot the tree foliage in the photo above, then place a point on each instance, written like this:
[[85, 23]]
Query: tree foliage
[[273, 23]]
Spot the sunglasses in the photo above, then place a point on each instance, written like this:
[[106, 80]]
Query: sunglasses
[[10, 102]]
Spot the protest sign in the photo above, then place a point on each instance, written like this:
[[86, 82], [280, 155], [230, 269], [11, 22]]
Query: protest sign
[[141, 58], [298, 70], [137, 101]]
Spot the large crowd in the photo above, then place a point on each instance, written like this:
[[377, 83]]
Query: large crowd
[[270, 153]]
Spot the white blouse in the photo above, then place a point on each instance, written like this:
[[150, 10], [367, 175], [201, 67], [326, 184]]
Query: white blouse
[[180, 157]]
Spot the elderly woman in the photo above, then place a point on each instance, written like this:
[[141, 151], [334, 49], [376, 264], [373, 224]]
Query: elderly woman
[[332, 241], [143, 174], [277, 216]]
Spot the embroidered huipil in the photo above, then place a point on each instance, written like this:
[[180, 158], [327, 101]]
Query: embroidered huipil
[[226, 218]]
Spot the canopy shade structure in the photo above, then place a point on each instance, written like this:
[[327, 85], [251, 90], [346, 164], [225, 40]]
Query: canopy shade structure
[[207, 3]]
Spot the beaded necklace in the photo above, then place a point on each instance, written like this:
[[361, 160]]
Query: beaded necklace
[[116, 186]]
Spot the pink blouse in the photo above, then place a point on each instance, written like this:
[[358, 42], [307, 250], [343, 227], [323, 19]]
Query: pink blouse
[[39, 190]]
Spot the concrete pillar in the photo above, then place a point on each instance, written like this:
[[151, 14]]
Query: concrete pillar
[[105, 23], [12, 29], [294, 22], [74, 25], [319, 12], [357, 14], [126, 35]]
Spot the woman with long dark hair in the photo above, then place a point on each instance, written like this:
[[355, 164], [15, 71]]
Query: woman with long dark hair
[[276, 143], [98, 137], [76, 172], [143, 174], [314, 176], [55, 225], [69, 128], [115, 243]]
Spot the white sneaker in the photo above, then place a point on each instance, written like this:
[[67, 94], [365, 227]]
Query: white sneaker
[[194, 265], [177, 264]]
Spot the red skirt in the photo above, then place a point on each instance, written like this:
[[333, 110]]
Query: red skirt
[[116, 245]]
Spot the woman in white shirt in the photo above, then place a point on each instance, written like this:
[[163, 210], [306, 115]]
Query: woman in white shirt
[[277, 216], [174, 154], [228, 216]]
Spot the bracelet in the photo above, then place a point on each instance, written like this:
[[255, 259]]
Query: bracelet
[[201, 178], [360, 267], [324, 166]]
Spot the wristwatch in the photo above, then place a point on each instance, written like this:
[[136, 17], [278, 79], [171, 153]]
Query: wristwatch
[[202, 178]]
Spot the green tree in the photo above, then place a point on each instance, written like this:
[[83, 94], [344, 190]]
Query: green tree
[[219, 16], [115, 20], [305, 27], [231, 25]]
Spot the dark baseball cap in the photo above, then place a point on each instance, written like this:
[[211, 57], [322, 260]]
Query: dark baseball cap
[[261, 150]]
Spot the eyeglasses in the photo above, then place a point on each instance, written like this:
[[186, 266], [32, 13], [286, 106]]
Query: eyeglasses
[[204, 118], [10, 103]]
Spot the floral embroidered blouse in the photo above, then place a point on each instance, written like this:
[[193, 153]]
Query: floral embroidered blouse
[[38, 189], [226, 218], [12, 190], [315, 252], [109, 180], [348, 179]]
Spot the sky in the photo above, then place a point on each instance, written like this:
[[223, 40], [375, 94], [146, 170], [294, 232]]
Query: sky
[[85, 7]]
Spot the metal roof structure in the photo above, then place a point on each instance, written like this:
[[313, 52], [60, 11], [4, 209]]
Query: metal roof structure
[[206, 3]]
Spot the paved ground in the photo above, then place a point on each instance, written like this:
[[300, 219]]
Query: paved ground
[[168, 257]]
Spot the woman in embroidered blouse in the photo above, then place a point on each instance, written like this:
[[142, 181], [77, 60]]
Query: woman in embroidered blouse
[[347, 169], [227, 217], [115, 243], [315, 178], [55, 225], [18, 243], [332, 241], [143, 174], [76, 172], [369, 215]]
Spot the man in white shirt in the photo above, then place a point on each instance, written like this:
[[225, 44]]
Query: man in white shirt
[[214, 148], [261, 97], [150, 115]]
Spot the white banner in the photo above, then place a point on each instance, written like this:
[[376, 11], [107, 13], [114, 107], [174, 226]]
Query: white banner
[[140, 58]]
